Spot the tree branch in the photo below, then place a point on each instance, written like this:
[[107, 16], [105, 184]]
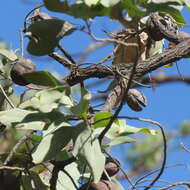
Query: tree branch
[[182, 50]]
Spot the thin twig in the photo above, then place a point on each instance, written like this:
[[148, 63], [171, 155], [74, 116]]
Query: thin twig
[[12, 168], [90, 49], [70, 177], [66, 54], [21, 43], [164, 151], [187, 183], [6, 97], [129, 82], [64, 61], [184, 147], [150, 173], [17, 145]]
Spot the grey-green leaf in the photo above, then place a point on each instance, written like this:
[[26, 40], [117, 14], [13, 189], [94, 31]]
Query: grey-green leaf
[[87, 147], [9, 54], [53, 141]]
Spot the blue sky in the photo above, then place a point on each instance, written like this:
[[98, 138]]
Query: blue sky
[[169, 104]]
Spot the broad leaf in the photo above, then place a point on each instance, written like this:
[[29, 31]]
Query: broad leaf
[[109, 3], [9, 54], [101, 119], [120, 140], [64, 181], [91, 2], [13, 116], [82, 107], [45, 34], [87, 147], [42, 78], [53, 141], [47, 100]]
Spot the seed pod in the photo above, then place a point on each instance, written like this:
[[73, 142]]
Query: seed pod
[[101, 185], [112, 166], [19, 69], [135, 99]]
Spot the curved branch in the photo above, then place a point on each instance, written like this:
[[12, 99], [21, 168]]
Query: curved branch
[[182, 50]]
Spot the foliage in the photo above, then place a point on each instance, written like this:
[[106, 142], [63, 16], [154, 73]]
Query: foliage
[[64, 127]]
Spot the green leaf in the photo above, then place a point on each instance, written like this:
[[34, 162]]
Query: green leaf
[[46, 100], [64, 182], [186, 2], [24, 119], [45, 34], [81, 108], [50, 29], [120, 140], [32, 182], [87, 148], [109, 3], [9, 54], [121, 129], [41, 48], [33, 125], [53, 141], [90, 2], [101, 119], [172, 7], [132, 9], [13, 116]]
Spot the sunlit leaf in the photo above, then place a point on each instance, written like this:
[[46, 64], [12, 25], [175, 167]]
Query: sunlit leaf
[[33, 125], [101, 119], [53, 141], [46, 100], [83, 105], [91, 2], [109, 3], [121, 140], [87, 147], [13, 116], [64, 181], [9, 54]]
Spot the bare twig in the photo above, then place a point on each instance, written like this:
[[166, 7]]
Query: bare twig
[[12, 168], [6, 97], [159, 79], [187, 183], [65, 62], [90, 49], [126, 89], [164, 151], [185, 148], [66, 54], [21, 43], [17, 145]]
